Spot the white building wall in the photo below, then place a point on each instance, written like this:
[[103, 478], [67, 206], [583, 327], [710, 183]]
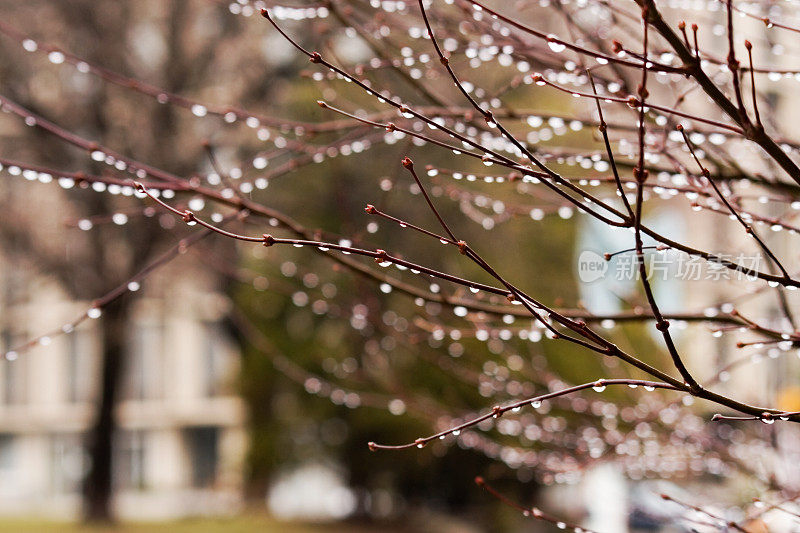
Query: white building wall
[[40, 434]]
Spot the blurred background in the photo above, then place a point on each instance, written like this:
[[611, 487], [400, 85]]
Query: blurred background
[[236, 387]]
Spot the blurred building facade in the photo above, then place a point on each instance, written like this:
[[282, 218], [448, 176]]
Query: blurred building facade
[[181, 440]]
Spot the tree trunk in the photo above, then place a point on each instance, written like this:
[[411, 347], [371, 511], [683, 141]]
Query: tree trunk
[[97, 485]]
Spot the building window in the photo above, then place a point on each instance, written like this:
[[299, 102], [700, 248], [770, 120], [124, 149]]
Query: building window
[[79, 367], [130, 460], [214, 359], [15, 286], [6, 452], [67, 463], [144, 374], [8, 479], [203, 445], [14, 374]]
